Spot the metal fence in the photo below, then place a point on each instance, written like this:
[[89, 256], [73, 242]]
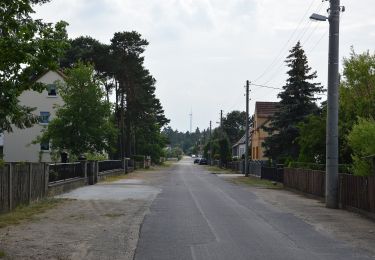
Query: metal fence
[[65, 171], [109, 165], [255, 167]]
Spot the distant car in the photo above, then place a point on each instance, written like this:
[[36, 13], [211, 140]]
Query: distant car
[[193, 156], [196, 160], [203, 161]]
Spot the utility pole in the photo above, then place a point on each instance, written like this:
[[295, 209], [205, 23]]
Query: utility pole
[[191, 120], [247, 131], [210, 143], [221, 119], [332, 106]]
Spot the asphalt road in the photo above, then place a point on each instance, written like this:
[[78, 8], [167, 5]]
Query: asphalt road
[[201, 216]]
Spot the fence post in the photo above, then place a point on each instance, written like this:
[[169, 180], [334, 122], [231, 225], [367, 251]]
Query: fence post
[[46, 178], [30, 182], [96, 171], [84, 169], [10, 185], [126, 165]]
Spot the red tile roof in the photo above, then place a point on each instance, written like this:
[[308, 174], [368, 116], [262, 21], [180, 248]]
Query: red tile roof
[[265, 109]]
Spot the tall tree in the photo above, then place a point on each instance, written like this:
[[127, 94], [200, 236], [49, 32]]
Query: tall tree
[[28, 47], [138, 108], [83, 123], [297, 101], [234, 125]]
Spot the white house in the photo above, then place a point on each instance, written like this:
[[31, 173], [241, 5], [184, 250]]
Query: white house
[[238, 149], [18, 144]]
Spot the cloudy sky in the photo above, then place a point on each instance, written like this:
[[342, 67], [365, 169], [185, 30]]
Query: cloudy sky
[[202, 51]]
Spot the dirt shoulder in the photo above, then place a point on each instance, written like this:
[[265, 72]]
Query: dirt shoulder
[[103, 226], [347, 226]]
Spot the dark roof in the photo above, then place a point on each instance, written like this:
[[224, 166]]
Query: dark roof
[[266, 109], [243, 139]]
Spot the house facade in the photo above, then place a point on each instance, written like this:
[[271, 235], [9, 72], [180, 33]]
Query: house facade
[[17, 145], [262, 115], [238, 149]]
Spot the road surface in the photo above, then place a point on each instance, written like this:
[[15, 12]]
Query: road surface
[[198, 215]]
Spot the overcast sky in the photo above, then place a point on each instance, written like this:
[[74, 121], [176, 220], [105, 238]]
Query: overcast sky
[[202, 51]]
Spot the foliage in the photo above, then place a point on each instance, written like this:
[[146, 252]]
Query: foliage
[[138, 114], [28, 48], [357, 99], [96, 156], [357, 95], [175, 152], [189, 142], [362, 141], [312, 140], [297, 102], [138, 158], [82, 124], [234, 125]]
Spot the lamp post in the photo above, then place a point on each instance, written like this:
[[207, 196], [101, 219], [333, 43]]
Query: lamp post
[[332, 103]]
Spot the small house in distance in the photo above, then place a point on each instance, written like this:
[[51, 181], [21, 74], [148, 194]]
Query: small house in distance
[[262, 116], [238, 149], [17, 146]]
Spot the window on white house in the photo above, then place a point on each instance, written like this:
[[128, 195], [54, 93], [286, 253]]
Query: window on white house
[[44, 117], [44, 146], [52, 90]]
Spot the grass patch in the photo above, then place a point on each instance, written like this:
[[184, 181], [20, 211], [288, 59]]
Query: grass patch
[[166, 164], [26, 213], [215, 170], [2, 254], [256, 182], [114, 178]]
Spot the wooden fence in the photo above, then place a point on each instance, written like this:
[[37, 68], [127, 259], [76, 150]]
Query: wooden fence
[[305, 180], [21, 183], [357, 192]]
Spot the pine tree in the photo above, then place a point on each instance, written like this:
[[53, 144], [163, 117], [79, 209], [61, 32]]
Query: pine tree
[[297, 102]]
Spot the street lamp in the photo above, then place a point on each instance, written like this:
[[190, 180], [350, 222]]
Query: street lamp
[[318, 17], [332, 102]]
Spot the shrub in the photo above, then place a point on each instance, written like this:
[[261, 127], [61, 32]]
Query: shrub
[[362, 141], [138, 158]]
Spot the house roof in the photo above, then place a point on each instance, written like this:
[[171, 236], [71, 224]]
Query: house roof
[[265, 109], [243, 139]]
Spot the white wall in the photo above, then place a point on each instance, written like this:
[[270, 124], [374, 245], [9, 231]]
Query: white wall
[[17, 145]]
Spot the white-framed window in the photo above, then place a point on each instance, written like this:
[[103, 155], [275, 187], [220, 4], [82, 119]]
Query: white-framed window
[[52, 90], [44, 117], [44, 146]]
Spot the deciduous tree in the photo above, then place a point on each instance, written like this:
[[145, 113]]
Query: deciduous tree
[[28, 47]]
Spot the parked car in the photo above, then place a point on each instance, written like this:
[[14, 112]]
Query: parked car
[[196, 160], [202, 161]]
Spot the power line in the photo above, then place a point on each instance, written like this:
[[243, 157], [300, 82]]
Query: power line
[[300, 36], [285, 45]]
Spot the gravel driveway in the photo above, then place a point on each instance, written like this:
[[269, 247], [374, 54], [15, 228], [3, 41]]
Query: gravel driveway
[[96, 222]]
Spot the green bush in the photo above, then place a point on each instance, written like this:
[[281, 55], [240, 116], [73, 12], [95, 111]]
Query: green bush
[[138, 158], [362, 141]]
